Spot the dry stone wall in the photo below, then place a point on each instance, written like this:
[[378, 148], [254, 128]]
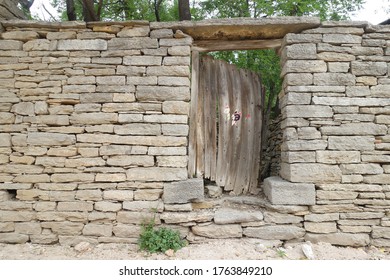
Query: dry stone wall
[[94, 122], [335, 107]]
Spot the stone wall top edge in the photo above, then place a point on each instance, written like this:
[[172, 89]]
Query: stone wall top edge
[[68, 24]]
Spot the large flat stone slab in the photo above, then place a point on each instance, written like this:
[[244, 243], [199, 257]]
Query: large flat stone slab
[[184, 191], [278, 232], [279, 191], [340, 238]]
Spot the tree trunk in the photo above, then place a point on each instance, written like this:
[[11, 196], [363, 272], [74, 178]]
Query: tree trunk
[[157, 4], [89, 11], [70, 11], [184, 10]]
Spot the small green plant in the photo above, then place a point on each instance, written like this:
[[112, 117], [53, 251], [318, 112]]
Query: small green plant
[[159, 240], [281, 252]]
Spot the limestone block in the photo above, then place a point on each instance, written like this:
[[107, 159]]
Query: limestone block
[[122, 230], [348, 143], [336, 195], [130, 118], [300, 51], [137, 218], [356, 229], [167, 151], [308, 133], [176, 107], [75, 44], [179, 50], [334, 79], [233, 216], [168, 42], [179, 71], [17, 216], [64, 35], [310, 173], [297, 79], [307, 111], [182, 217], [144, 206], [377, 179], [338, 67], [380, 91], [131, 161], [362, 168], [330, 56], [318, 218], [162, 93], [50, 139], [132, 43], [325, 227], [304, 66], [342, 39], [366, 80], [218, 231], [36, 178], [110, 177], [337, 157], [131, 107], [5, 140], [144, 60], [7, 118], [174, 81], [23, 36], [118, 195], [278, 218], [146, 81], [148, 194], [80, 206], [173, 119], [97, 230], [138, 129], [292, 157], [13, 238], [15, 205], [94, 118], [277, 232], [279, 191], [157, 174], [332, 208], [161, 33], [94, 195], [368, 68], [110, 150], [8, 45], [134, 31], [106, 206], [47, 239], [184, 191], [45, 206], [23, 108], [64, 228], [292, 38], [28, 228], [7, 227], [340, 238], [304, 145], [172, 161]]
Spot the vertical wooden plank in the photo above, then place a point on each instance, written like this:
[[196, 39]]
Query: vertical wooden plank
[[193, 115], [207, 111], [235, 130], [258, 118], [246, 144], [200, 123], [214, 115]]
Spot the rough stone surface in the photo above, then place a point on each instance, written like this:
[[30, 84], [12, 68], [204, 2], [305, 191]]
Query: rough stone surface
[[184, 191], [280, 232], [218, 231], [339, 238], [279, 191], [233, 216]]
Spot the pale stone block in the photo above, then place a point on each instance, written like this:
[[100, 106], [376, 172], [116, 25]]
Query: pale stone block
[[277, 232], [5, 140], [28, 228], [24, 108], [7, 45], [94, 118], [337, 157], [235, 216], [367, 80], [143, 60], [75, 44], [45, 206], [64, 228], [97, 230], [342, 39], [7, 227], [279, 218], [338, 67], [295, 79], [137, 218], [359, 143], [200, 216], [121, 230], [64, 35], [172, 161], [177, 60], [50, 139], [23, 36], [279, 191], [292, 157], [308, 133], [180, 71], [174, 81], [300, 51], [368, 68], [342, 239], [132, 43], [334, 79], [134, 31], [184, 192], [310, 173], [118, 195], [362, 168], [296, 98], [106, 206], [132, 160], [179, 50], [94, 195], [161, 33], [304, 66], [176, 107], [110, 177], [173, 119], [167, 151], [304, 145], [335, 195], [144, 206], [138, 129], [162, 93], [13, 238], [72, 177], [218, 231], [175, 129], [110, 150], [325, 227], [330, 56], [146, 81], [322, 217], [168, 42], [307, 111], [17, 216]]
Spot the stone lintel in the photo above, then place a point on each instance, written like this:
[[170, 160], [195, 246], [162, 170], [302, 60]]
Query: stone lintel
[[279, 191]]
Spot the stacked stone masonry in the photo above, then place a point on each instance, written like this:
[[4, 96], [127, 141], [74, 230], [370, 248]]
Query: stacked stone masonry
[[94, 124]]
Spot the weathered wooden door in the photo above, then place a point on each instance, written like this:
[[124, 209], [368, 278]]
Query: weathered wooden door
[[226, 122]]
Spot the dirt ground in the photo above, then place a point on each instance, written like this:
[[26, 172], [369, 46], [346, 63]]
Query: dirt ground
[[227, 249]]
